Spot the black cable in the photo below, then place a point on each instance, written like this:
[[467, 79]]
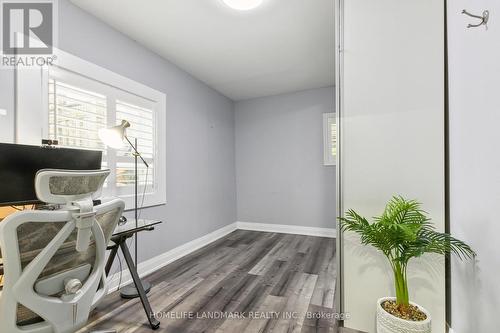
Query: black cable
[[120, 262], [143, 193], [138, 217], [121, 271]]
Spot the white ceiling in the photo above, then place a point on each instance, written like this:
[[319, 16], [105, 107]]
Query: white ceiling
[[282, 46]]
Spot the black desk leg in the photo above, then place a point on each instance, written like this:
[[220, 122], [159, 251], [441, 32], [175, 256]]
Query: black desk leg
[[137, 281], [111, 258]]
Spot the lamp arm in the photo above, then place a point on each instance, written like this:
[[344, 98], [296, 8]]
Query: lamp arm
[[136, 152]]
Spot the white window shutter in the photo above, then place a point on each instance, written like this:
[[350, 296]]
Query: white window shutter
[[329, 139]]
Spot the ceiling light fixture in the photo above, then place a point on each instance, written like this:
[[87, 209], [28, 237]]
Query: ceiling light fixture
[[243, 4]]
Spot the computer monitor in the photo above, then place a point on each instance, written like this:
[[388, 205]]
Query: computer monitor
[[20, 163]]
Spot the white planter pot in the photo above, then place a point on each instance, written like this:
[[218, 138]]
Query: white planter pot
[[387, 323]]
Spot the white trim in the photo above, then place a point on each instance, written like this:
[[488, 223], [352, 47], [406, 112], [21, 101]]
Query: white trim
[[287, 229], [154, 264], [92, 71]]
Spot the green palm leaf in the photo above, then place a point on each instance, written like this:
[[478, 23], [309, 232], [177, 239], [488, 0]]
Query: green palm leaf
[[403, 232]]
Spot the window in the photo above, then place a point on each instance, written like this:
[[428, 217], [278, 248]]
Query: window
[[79, 98], [330, 139], [79, 107], [75, 115]]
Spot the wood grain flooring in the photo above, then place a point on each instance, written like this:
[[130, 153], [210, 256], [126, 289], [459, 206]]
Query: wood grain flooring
[[245, 282]]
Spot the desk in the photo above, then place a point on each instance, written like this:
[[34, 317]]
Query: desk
[[119, 240], [129, 227]]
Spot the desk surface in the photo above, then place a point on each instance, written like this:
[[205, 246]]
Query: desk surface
[[130, 225]]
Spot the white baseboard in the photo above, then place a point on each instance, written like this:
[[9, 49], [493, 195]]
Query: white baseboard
[[287, 229], [152, 265]]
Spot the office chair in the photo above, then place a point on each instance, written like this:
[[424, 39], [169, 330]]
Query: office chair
[[54, 259]]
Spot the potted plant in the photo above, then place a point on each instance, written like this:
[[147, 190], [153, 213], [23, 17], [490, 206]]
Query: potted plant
[[401, 233]]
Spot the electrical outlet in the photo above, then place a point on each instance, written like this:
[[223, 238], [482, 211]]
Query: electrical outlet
[[3, 112]]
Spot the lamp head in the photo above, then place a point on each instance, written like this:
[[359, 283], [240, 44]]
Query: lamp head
[[114, 136]]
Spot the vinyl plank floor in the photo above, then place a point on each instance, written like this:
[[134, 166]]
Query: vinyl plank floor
[[247, 281]]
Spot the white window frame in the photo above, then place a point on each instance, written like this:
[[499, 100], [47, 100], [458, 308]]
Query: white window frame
[[32, 94], [328, 158]]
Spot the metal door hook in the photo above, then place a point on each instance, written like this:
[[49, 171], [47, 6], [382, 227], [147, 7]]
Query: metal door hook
[[484, 19]]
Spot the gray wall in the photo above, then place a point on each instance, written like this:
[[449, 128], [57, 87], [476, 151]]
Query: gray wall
[[201, 193], [281, 178], [475, 166]]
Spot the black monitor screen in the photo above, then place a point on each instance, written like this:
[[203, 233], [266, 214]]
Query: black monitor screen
[[20, 163]]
